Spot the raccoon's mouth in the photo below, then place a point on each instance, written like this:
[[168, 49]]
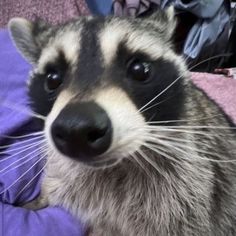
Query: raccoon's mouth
[[102, 161]]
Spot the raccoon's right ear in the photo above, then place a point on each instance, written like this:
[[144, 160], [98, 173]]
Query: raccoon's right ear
[[25, 35]]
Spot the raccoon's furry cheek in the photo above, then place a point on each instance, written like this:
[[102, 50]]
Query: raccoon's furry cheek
[[62, 100]]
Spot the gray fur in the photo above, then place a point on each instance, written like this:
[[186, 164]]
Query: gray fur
[[179, 203], [188, 195]]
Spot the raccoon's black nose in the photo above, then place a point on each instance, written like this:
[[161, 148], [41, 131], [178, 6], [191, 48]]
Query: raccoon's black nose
[[82, 131]]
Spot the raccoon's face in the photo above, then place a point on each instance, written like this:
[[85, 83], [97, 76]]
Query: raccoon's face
[[95, 80]]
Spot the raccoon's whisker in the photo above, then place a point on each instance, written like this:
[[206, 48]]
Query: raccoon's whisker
[[178, 139], [25, 148], [31, 181], [178, 78], [23, 136], [104, 161], [201, 127], [21, 176], [161, 154], [163, 130], [168, 130], [154, 105], [208, 59], [115, 163], [161, 151], [25, 142], [119, 145], [21, 164], [188, 131], [156, 148], [172, 146], [183, 143], [7, 158], [159, 94], [22, 158], [151, 162], [23, 110], [176, 121], [134, 156], [21, 148]]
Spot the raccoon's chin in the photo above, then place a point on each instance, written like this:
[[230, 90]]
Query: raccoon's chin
[[103, 163], [96, 162]]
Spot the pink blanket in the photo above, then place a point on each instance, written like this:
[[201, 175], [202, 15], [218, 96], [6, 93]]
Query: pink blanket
[[51, 11], [219, 88]]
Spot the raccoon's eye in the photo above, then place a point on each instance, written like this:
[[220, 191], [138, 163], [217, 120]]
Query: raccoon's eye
[[139, 70], [53, 80]]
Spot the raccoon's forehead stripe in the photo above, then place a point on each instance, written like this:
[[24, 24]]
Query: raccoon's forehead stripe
[[66, 41], [135, 40], [90, 65]]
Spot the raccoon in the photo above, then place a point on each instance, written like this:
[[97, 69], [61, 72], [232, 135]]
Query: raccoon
[[134, 148]]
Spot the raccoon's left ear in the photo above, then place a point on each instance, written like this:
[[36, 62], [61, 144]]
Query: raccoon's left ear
[[28, 37], [164, 20]]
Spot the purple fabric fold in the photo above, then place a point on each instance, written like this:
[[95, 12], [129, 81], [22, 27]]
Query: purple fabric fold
[[12, 72], [17, 221]]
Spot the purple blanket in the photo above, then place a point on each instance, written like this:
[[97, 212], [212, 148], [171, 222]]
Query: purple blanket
[[16, 221]]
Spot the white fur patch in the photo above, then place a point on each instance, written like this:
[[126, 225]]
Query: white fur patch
[[152, 46], [110, 38], [135, 41], [128, 125], [68, 42], [48, 55], [62, 100]]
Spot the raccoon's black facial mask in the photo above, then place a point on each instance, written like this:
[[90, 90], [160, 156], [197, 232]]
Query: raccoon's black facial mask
[[98, 81]]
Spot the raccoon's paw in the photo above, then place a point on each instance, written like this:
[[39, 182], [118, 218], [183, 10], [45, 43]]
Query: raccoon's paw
[[38, 203]]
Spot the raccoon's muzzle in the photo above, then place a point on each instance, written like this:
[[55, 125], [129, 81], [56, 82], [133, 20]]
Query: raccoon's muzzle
[[82, 131]]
